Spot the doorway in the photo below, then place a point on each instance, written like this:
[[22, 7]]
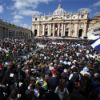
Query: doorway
[[55, 33], [35, 32], [66, 34], [80, 33], [46, 33]]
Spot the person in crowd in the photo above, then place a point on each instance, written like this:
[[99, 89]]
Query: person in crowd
[[62, 90], [57, 70]]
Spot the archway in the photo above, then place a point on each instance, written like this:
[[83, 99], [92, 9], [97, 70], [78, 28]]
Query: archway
[[35, 32], [51, 34], [66, 34], [55, 33], [80, 33], [59, 34], [46, 33]]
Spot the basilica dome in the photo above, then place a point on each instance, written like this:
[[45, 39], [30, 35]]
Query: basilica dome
[[59, 11]]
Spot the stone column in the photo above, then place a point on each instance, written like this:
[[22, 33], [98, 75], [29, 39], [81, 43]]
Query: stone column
[[58, 29], [53, 30], [43, 28], [38, 30], [48, 29], [84, 30], [75, 34], [62, 30], [33, 28], [70, 29]]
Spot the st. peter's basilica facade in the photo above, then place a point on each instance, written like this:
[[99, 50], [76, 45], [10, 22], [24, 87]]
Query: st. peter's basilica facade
[[61, 23]]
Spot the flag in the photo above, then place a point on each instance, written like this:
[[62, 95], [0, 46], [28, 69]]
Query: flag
[[96, 44]]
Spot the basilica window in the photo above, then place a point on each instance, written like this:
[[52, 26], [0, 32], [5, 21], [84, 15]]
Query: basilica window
[[46, 17], [35, 18], [72, 25], [68, 16], [56, 25], [73, 16], [82, 16], [72, 31], [81, 25]]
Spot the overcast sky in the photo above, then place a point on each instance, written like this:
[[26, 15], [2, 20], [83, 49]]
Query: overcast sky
[[20, 12]]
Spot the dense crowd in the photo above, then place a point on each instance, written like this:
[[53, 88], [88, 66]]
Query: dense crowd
[[61, 70]]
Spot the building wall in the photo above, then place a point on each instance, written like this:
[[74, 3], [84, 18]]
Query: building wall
[[94, 22], [61, 23], [8, 30], [69, 25]]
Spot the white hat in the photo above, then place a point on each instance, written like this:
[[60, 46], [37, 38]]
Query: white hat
[[69, 63], [85, 73], [51, 68], [85, 69], [73, 66], [65, 62], [65, 70]]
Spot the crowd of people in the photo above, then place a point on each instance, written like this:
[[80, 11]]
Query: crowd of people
[[61, 70]]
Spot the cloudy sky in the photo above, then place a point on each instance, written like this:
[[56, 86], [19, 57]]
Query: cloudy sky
[[20, 12]]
